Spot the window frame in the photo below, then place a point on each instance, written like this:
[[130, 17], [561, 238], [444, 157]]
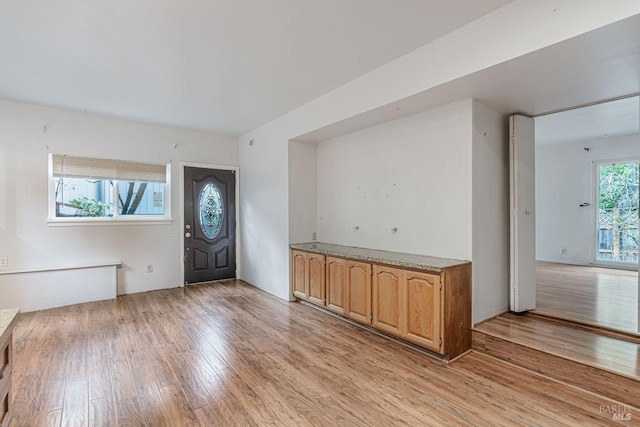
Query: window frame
[[116, 219]]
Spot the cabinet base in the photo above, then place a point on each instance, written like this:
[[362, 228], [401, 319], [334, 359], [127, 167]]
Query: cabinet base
[[378, 332]]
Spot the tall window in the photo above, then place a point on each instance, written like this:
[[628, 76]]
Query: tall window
[[88, 189], [617, 212]]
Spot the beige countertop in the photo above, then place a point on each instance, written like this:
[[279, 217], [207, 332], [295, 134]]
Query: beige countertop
[[8, 320], [396, 259]]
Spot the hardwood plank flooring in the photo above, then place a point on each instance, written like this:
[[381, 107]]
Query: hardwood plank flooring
[[583, 346], [581, 357], [230, 354], [596, 296]]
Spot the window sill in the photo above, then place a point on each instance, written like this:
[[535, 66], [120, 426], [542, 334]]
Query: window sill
[[105, 222]]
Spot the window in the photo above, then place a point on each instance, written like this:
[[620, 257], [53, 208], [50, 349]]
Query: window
[[617, 212], [100, 190]]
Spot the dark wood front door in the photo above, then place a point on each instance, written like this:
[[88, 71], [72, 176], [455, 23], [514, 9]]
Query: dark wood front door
[[210, 224]]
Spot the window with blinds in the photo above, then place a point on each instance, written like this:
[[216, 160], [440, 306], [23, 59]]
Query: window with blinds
[[89, 189]]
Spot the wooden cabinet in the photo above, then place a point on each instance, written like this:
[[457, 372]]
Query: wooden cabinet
[[299, 274], [337, 284], [358, 298], [349, 288], [421, 309], [432, 310], [316, 279], [308, 276], [407, 304], [6, 366], [387, 299]]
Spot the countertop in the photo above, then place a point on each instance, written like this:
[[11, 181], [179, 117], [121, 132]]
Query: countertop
[[8, 320], [396, 259]]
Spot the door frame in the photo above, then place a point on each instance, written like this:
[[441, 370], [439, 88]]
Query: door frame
[[594, 213], [181, 167]]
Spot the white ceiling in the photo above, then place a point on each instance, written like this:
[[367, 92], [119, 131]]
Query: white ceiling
[[608, 120], [598, 65], [226, 66]]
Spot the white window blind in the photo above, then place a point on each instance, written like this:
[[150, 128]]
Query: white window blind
[[86, 167]]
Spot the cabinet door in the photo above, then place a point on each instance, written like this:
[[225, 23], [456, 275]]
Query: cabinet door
[[300, 282], [6, 364], [422, 296], [387, 299], [316, 278], [336, 284], [359, 292]]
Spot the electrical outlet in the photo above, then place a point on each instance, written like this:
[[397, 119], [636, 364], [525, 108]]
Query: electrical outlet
[[150, 268], [563, 251], [4, 261], [314, 236]]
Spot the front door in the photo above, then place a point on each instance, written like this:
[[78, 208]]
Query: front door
[[210, 224]]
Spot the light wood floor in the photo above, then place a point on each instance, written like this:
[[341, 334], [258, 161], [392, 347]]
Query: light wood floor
[[598, 296], [229, 354], [567, 341]]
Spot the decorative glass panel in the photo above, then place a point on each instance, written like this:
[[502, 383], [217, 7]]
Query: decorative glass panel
[[211, 210]]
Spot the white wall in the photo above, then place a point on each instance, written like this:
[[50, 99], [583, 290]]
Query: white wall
[[40, 290], [412, 173], [564, 180], [264, 169], [25, 236], [264, 206], [439, 176], [303, 177], [490, 213]]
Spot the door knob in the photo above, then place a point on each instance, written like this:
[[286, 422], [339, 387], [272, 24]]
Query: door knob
[[187, 234], [188, 226]]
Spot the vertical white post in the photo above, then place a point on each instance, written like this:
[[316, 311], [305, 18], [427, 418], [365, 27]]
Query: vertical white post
[[522, 205]]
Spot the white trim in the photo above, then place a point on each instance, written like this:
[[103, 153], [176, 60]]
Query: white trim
[[615, 266], [59, 268], [562, 261], [594, 213], [181, 166]]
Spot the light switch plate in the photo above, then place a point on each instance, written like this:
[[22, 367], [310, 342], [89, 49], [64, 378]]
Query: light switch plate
[[4, 261]]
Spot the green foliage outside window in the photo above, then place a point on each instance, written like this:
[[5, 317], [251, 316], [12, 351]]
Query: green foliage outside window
[[89, 207], [619, 187]]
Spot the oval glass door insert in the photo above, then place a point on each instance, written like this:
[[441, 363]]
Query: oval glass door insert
[[211, 210]]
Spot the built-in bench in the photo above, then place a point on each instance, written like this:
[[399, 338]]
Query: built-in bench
[[40, 288]]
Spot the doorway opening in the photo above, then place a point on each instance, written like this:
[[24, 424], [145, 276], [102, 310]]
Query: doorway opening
[[586, 198]]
